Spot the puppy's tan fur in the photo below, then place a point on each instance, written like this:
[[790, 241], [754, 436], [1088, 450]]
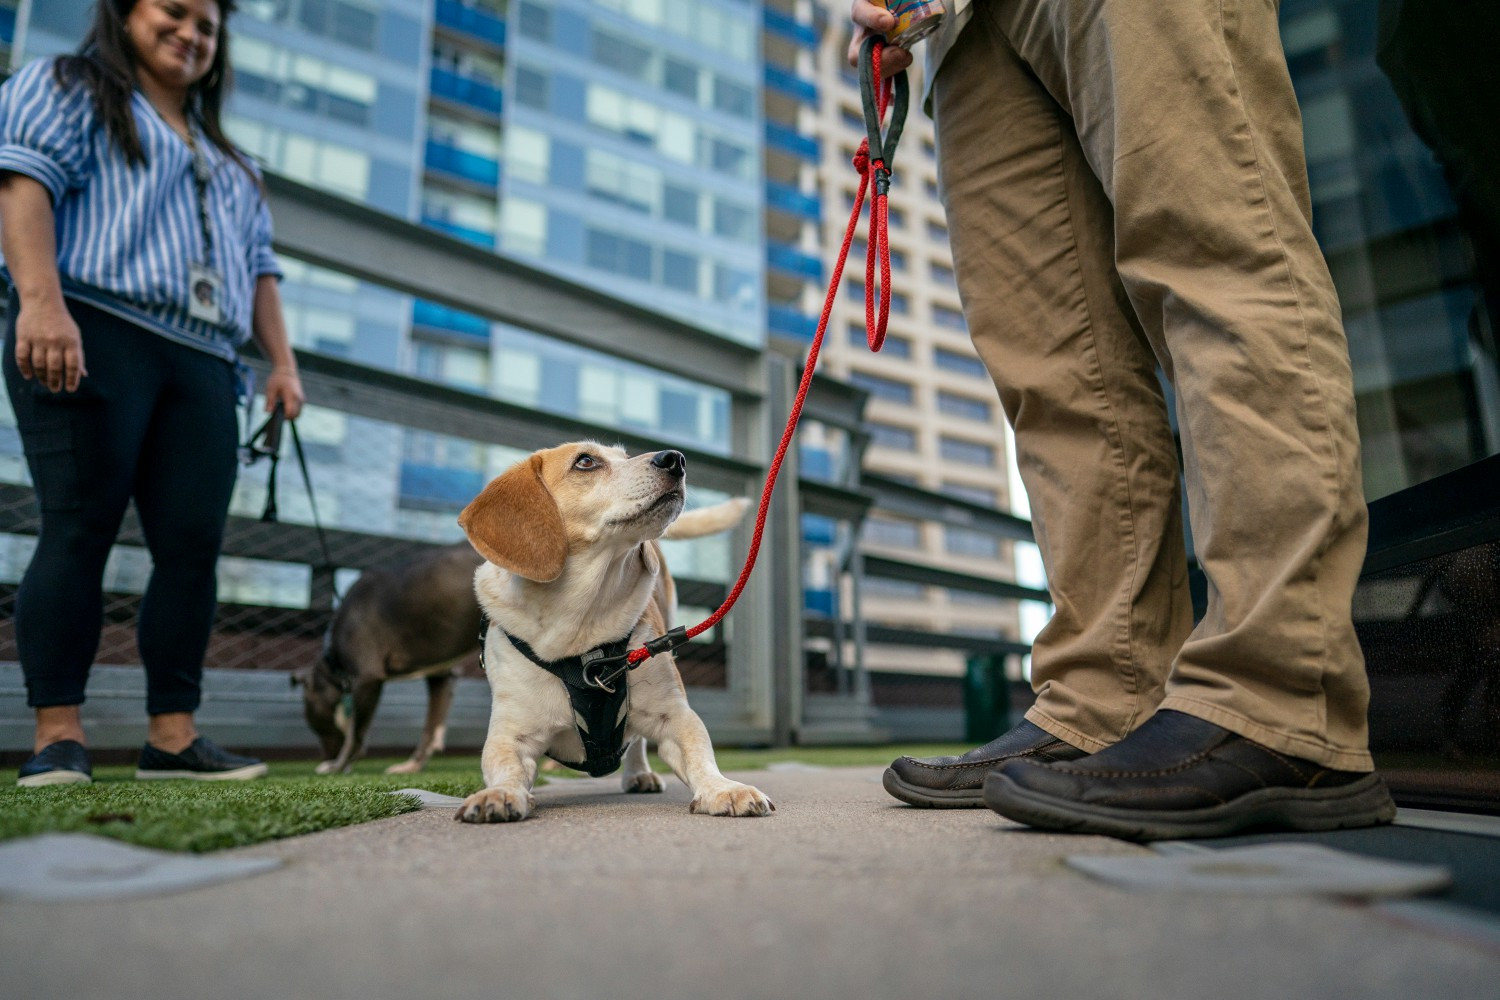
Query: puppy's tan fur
[[569, 536]]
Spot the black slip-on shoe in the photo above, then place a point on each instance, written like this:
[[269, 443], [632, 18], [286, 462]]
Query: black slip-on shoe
[[958, 782], [203, 760], [65, 762], [1178, 776]]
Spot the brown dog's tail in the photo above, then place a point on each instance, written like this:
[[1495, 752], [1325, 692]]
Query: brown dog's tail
[[708, 520]]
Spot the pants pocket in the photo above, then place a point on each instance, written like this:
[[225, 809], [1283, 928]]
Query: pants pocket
[[53, 460]]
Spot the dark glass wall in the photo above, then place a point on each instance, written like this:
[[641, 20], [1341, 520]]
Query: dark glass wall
[[1401, 103], [1399, 114]]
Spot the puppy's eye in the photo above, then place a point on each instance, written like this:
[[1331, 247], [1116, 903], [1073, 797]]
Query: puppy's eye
[[585, 461]]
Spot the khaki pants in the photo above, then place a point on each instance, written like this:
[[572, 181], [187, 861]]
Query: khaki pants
[[1126, 188]]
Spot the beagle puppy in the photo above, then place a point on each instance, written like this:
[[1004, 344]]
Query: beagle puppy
[[572, 572]]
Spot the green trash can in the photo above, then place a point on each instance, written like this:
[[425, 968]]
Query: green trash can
[[986, 698]]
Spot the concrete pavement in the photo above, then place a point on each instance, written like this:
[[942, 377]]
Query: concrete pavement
[[841, 893]]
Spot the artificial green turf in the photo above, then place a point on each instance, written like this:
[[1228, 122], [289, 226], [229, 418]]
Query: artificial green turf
[[211, 815], [292, 800]]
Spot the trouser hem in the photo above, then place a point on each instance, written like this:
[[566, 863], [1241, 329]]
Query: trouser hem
[[1338, 758], [1067, 734]]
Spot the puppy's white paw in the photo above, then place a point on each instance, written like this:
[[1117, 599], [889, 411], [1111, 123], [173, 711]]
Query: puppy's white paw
[[496, 805], [732, 799], [644, 781], [332, 767], [405, 767]]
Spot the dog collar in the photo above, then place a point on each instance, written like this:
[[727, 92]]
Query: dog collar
[[598, 711]]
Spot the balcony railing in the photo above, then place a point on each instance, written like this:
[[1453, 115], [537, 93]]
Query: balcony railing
[[456, 162], [789, 140], [464, 90], [785, 81], [785, 198], [436, 317], [794, 261], [788, 322], [471, 21], [790, 28], [476, 236]]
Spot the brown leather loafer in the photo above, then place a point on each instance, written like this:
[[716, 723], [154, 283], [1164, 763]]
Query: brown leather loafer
[[1179, 776], [958, 782]]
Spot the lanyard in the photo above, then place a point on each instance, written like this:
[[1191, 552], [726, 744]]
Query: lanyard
[[202, 173]]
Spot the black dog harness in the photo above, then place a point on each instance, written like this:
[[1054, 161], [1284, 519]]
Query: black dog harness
[[598, 710]]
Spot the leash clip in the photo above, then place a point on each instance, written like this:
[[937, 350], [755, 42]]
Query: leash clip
[[596, 672]]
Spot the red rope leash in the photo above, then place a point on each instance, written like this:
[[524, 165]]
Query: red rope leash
[[874, 173]]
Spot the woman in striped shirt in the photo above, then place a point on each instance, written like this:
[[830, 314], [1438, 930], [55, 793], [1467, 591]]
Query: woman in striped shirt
[[136, 242]]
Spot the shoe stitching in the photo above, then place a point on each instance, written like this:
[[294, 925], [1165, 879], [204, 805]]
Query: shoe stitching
[[1235, 764], [1125, 796], [1288, 761], [964, 765], [1184, 765]]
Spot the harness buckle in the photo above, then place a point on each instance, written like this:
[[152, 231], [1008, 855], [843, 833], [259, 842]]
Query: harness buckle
[[596, 672]]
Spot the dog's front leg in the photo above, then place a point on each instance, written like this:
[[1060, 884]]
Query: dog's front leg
[[509, 766], [683, 743], [636, 774], [364, 700]]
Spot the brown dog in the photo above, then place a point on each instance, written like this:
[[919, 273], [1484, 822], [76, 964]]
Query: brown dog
[[416, 619]]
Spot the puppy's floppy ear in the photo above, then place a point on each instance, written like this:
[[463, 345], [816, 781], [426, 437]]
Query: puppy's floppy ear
[[515, 523]]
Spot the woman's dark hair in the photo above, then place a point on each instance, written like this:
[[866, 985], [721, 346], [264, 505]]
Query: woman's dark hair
[[105, 63]]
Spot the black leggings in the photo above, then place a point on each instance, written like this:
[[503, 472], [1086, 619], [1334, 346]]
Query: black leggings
[[154, 421]]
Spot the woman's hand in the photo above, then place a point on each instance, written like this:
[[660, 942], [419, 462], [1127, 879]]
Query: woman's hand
[[49, 347], [873, 19], [285, 387]]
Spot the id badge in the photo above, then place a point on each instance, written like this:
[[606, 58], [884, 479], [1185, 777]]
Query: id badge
[[205, 287]]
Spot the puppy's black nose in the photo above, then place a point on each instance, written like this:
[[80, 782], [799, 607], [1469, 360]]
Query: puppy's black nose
[[671, 462]]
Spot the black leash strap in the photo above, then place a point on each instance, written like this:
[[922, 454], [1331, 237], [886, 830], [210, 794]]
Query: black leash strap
[[265, 442]]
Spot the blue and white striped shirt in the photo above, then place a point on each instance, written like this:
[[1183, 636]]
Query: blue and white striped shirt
[[126, 235]]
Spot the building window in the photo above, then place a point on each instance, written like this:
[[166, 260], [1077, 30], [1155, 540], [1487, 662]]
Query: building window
[[890, 436], [966, 407], [943, 274], [879, 530], [974, 494], [618, 254], [681, 78], [949, 317], [733, 98], [894, 346], [968, 452], [680, 204], [937, 231], [679, 271], [531, 87], [964, 364], [883, 388], [733, 221], [534, 21], [968, 542]]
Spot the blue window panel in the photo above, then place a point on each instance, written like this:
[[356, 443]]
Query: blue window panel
[[390, 188], [786, 82], [564, 237], [438, 317], [468, 92], [819, 602], [471, 21], [401, 38], [790, 141], [785, 198], [568, 93], [790, 28], [460, 163], [791, 323], [570, 31], [394, 112], [784, 258], [7, 25], [475, 236], [566, 168], [818, 529], [432, 486]]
